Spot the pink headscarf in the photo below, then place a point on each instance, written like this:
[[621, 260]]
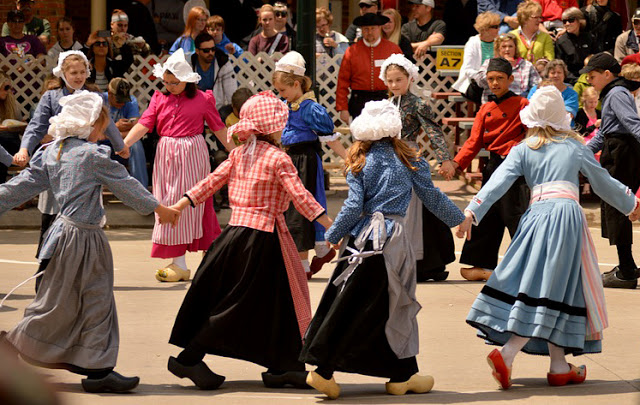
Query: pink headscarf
[[262, 113]]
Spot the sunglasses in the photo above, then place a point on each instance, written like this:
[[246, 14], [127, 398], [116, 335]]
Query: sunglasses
[[636, 21], [365, 5], [568, 20], [101, 43], [207, 50], [494, 27], [280, 14]]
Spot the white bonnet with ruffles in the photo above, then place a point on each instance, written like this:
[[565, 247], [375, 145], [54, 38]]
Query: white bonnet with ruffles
[[546, 109], [292, 62], [378, 119], [57, 71], [400, 60], [80, 111], [178, 66]]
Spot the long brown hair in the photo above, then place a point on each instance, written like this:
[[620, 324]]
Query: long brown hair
[[192, 18], [357, 154], [8, 107]]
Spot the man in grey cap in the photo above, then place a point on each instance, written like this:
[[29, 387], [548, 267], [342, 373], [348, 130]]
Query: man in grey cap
[[627, 42], [354, 33], [424, 31]]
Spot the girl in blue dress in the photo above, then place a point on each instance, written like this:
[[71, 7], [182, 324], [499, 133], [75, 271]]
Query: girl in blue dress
[[546, 295], [309, 124], [366, 322]]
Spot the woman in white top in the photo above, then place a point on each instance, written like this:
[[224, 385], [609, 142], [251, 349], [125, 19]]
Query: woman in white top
[[477, 49], [65, 42]]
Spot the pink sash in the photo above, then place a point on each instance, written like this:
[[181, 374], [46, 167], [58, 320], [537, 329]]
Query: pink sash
[[591, 279]]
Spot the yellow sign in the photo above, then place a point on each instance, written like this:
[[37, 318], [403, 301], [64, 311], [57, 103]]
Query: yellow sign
[[449, 58]]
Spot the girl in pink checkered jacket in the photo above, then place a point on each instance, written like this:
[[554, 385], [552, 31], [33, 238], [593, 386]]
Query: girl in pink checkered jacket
[[252, 274]]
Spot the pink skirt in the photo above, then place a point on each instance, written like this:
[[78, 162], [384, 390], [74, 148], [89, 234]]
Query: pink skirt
[[180, 164]]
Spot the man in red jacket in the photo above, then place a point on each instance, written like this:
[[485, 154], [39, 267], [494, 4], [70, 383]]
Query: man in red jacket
[[360, 67], [496, 128]]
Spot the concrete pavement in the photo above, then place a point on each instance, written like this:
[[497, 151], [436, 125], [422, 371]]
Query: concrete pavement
[[449, 349]]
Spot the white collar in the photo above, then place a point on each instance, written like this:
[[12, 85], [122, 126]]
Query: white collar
[[372, 45]]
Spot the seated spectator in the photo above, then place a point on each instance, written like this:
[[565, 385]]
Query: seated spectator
[[392, 32], [533, 44], [9, 134], [631, 72], [196, 23], [103, 66], [17, 42], [424, 31], [505, 8], [328, 42], [552, 17], [462, 15], [215, 70], [281, 15], [525, 75], [66, 40], [588, 117], [354, 33], [122, 41], [555, 74], [124, 111], [575, 44], [33, 25], [477, 50], [215, 28], [582, 84], [238, 98], [269, 40], [604, 24], [627, 42]]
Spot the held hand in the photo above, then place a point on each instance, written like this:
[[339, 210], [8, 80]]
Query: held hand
[[345, 117], [335, 246], [167, 215], [635, 215], [124, 153], [21, 158], [447, 170], [465, 226]]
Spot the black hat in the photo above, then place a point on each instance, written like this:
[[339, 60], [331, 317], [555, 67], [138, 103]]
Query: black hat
[[602, 61], [120, 88], [370, 19], [500, 65], [15, 15]]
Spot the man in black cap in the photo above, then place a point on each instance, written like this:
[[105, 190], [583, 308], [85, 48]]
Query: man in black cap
[[496, 128], [424, 31], [354, 33], [33, 25], [619, 140], [360, 67], [627, 42]]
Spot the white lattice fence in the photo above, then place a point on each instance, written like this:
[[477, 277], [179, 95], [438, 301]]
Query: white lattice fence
[[254, 72]]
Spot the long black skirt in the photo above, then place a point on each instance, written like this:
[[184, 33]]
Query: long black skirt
[[305, 158], [437, 242], [347, 331], [239, 304]]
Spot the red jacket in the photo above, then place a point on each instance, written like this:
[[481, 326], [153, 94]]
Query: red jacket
[[497, 128], [360, 69]]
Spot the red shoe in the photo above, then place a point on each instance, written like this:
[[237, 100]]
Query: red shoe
[[576, 375], [501, 372], [318, 262]]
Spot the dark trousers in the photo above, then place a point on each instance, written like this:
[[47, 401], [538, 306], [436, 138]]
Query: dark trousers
[[621, 157], [482, 249], [11, 142], [360, 97]]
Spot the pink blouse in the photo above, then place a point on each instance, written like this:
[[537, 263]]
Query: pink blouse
[[179, 116]]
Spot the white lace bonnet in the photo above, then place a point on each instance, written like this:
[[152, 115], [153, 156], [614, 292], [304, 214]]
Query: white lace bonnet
[[378, 119]]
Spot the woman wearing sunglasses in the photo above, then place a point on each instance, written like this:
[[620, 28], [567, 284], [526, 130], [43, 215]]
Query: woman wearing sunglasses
[[575, 44], [103, 66]]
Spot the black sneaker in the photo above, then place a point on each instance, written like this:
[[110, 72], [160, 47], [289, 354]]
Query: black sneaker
[[610, 279]]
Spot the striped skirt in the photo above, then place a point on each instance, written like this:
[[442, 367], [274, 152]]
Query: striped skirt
[[180, 163]]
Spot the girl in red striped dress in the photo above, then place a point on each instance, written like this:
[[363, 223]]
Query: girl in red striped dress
[[182, 160]]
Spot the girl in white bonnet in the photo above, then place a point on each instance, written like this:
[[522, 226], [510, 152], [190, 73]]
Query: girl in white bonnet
[[366, 321], [72, 322], [546, 295]]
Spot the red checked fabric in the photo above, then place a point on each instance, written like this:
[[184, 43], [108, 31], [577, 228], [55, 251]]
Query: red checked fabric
[[260, 190], [262, 113]]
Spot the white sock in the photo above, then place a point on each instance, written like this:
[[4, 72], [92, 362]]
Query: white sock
[[180, 262], [559, 363], [512, 348], [305, 266], [321, 249]]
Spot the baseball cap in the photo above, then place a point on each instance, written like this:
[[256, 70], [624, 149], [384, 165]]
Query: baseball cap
[[603, 61], [15, 15], [636, 15], [120, 88], [368, 3], [429, 3]]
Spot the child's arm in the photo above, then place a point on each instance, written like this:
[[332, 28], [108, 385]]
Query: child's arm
[[207, 186], [351, 210], [473, 144], [432, 198], [28, 184], [623, 106], [302, 199], [5, 157], [36, 129], [433, 132], [319, 120]]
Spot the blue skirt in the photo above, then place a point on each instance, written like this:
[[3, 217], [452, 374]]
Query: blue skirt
[[536, 291]]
